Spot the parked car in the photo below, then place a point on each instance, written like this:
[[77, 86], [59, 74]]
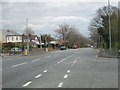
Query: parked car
[[15, 50], [62, 47]]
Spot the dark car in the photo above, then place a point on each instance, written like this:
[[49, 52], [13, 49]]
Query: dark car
[[62, 47]]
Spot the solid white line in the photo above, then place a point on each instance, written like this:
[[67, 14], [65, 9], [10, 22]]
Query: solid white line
[[60, 84], [68, 71], [38, 76], [66, 76], [28, 83], [45, 70]]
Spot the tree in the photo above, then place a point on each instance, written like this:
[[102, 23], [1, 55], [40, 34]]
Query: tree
[[63, 31], [94, 37], [70, 35], [101, 23], [46, 38]]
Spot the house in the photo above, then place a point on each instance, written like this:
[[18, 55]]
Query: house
[[14, 38], [61, 42], [6, 32], [32, 39]]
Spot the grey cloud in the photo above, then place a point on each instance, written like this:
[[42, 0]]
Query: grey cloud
[[45, 16]]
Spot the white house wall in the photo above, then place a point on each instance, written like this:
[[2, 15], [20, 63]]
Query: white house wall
[[9, 39]]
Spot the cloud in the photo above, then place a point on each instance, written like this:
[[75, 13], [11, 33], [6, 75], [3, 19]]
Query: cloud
[[46, 15], [57, 0]]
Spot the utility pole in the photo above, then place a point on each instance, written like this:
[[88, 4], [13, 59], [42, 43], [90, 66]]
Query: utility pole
[[40, 42], [27, 35], [109, 25]]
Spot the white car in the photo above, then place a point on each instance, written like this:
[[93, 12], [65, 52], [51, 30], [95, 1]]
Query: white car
[[15, 50]]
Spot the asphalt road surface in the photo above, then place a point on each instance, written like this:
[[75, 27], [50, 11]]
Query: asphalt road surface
[[75, 68]]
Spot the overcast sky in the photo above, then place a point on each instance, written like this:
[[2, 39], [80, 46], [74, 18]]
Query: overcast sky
[[45, 16]]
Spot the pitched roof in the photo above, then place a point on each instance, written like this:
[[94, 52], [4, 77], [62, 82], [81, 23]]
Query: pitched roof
[[6, 32]]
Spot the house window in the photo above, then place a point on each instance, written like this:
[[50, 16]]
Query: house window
[[20, 38], [16, 38], [8, 38], [12, 38]]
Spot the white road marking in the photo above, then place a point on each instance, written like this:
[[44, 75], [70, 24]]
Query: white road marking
[[16, 65], [36, 60], [60, 84], [58, 62], [66, 76], [61, 61], [23, 63], [68, 71], [28, 83], [19, 64], [38, 76], [45, 70], [74, 61]]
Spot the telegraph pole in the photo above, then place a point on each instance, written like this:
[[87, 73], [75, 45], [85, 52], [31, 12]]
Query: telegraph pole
[[28, 35], [109, 25], [40, 42]]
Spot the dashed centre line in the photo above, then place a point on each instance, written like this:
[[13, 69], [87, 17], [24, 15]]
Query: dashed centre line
[[68, 71], [64, 59], [66, 76], [75, 61], [45, 70], [38, 76], [28, 83], [58, 62], [60, 84]]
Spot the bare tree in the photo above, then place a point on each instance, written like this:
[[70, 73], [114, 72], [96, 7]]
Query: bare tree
[[70, 35], [63, 31]]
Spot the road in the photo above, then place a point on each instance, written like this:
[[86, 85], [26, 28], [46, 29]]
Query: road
[[75, 68]]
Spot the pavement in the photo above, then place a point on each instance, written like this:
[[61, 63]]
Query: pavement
[[74, 68]]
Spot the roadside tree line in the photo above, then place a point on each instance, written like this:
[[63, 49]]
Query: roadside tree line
[[99, 27]]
